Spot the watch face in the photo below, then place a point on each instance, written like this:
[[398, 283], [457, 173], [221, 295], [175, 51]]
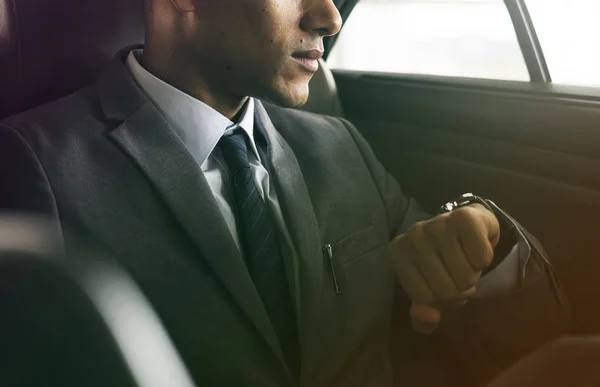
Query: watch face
[[448, 207], [463, 200], [468, 196]]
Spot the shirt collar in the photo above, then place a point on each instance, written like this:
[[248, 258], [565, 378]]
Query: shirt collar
[[198, 125]]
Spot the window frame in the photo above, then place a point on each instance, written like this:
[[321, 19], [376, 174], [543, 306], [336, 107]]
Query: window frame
[[528, 41], [531, 49]]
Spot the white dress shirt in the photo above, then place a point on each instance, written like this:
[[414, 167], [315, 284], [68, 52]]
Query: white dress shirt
[[200, 127]]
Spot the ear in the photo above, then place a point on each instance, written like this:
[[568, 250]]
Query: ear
[[184, 5]]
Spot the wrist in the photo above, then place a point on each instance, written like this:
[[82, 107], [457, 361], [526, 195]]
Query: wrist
[[507, 233]]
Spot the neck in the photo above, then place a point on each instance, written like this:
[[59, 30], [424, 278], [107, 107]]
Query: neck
[[176, 74]]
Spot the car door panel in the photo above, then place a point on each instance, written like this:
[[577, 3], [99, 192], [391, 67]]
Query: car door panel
[[535, 150]]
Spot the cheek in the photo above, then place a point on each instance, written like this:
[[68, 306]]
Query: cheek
[[270, 51], [279, 27], [257, 43]]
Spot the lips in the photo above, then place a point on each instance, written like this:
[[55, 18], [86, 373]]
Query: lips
[[309, 54], [309, 59]]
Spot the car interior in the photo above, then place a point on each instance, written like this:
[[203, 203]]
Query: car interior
[[532, 147]]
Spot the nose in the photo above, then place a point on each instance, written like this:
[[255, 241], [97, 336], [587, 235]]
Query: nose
[[322, 17]]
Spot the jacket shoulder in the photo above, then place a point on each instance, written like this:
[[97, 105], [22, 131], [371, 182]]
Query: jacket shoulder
[[57, 119]]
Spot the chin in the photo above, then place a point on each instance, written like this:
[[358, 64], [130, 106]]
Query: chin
[[293, 103], [289, 97]]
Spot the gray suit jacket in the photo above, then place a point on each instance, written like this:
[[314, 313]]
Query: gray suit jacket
[[104, 161]]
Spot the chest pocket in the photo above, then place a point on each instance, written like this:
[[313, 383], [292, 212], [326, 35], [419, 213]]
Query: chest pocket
[[356, 245], [361, 284], [367, 243]]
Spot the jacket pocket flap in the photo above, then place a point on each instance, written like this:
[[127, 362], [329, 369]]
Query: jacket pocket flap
[[356, 244]]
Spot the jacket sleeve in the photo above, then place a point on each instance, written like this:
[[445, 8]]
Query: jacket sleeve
[[402, 211], [476, 342]]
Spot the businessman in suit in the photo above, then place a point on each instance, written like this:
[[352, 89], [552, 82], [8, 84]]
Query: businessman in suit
[[274, 246]]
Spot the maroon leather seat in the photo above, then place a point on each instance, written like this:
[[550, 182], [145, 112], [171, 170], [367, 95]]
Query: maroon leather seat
[[50, 48]]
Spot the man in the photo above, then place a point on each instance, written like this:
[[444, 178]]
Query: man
[[261, 233]]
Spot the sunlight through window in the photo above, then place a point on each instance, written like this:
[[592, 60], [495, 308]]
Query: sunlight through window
[[463, 38], [569, 33]]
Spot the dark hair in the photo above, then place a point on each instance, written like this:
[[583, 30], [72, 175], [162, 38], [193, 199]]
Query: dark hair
[[147, 5]]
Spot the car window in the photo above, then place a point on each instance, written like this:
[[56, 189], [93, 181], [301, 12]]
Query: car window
[[463, 38], [569, 33]]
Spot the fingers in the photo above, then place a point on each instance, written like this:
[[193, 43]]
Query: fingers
[[439, 262], [422, 273], [424, 319], [442, 259], [411, 279], [436, 252], [432, 266], [462, 271], [473, 237]]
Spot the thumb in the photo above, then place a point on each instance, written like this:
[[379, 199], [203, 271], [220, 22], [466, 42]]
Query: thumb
[[425, 319]]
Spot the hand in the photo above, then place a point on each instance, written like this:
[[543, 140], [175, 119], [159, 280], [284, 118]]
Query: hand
[[567, 362], [439, 261]]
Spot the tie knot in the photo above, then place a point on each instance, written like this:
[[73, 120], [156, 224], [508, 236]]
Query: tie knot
[[235, 150]]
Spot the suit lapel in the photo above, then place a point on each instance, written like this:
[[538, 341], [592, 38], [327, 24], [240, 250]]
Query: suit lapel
[[149, 140], [304, 231]]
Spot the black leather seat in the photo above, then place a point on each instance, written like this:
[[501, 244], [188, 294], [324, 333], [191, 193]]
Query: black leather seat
[[76, 321], [52, 334], [70, 322], [49, 49]]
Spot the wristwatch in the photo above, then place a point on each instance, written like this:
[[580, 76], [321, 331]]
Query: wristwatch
[[507, 240], [508, 235], [466, 200]]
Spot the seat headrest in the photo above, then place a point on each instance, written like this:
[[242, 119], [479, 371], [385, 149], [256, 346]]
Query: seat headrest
[[49, 49]]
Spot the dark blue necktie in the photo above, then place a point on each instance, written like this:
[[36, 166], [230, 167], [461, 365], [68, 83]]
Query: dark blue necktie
[[259, 240]]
